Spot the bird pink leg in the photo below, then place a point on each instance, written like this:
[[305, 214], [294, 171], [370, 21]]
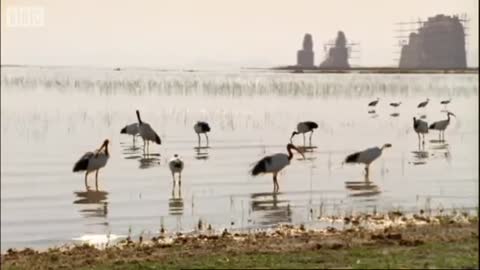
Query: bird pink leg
[[207, 138], [311, 133], [198, 139], [366, 170]]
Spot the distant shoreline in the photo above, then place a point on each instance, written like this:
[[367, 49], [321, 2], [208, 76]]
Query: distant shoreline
[[393, 70], [287, 69]]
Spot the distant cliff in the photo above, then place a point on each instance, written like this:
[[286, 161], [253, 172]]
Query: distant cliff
[[337, 56], [306, 55], [439, 43]]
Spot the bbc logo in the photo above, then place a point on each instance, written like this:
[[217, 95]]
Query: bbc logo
[[25, 17]]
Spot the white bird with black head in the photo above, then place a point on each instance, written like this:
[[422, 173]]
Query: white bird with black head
[[176, 166], [441, 126], [421, 128], [274, 164], [366, 156], [131, 129], [201, 128], [147, 133], [304, 127], [93, 161]]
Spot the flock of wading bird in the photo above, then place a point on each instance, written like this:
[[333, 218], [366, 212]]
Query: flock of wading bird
[[94, 161]]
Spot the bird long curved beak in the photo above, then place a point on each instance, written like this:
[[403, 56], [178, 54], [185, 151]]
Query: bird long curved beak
[[299, 151]]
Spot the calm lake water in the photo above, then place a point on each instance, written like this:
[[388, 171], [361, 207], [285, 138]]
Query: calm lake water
[[51, 116]]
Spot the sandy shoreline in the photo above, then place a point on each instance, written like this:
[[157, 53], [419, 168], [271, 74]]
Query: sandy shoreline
[[389, 230]]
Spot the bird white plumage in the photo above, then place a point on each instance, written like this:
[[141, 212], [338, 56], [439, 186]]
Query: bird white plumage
[[274, 164], [176, 166], [93, 161], [366, 156], [146, 132]]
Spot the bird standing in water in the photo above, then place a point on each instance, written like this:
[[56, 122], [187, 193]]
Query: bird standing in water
[[147, 133], [93, 161], [304, 127], [366, 156], [176, 166], [201, 127], [274, 164]]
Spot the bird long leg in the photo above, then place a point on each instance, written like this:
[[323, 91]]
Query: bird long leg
[[303, 139], [86, 175], [179, 178], [311, 133], [275, 183], [366, 170], [133, 140], [198, 134], [207, 138], [96, 180], [173, 177]]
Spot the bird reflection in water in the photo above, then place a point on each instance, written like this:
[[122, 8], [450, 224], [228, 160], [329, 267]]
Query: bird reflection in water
[[94, 203], [175, 203], [149, 160], [420, 156], [272, 210], [201, 152], [365, 188], [440, 149]]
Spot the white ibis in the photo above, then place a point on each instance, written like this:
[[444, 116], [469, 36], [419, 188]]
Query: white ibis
[[395, 104], [274, 164], [147, 133], [441, 126], [374, 103], [93, 161], [201, 127], [131, 129], [366, 156], [421, 128], [423, 104], [176, 166], [304, 127]]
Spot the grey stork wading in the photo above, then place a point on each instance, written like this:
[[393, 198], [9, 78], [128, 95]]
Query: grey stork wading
[[304, 127], [147, 133], [421, 128], [366, 156], [441, 126], [93, 161], [201, 127], [131, 129], [274, 164], [176, 166]]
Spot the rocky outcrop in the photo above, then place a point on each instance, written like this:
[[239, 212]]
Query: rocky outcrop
[[337, 56], [306, 55], [439, 44]]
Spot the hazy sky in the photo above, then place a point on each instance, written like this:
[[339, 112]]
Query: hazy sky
[[214, 33]]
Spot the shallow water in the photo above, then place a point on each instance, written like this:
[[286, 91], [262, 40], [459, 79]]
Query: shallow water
[[51, 116]]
